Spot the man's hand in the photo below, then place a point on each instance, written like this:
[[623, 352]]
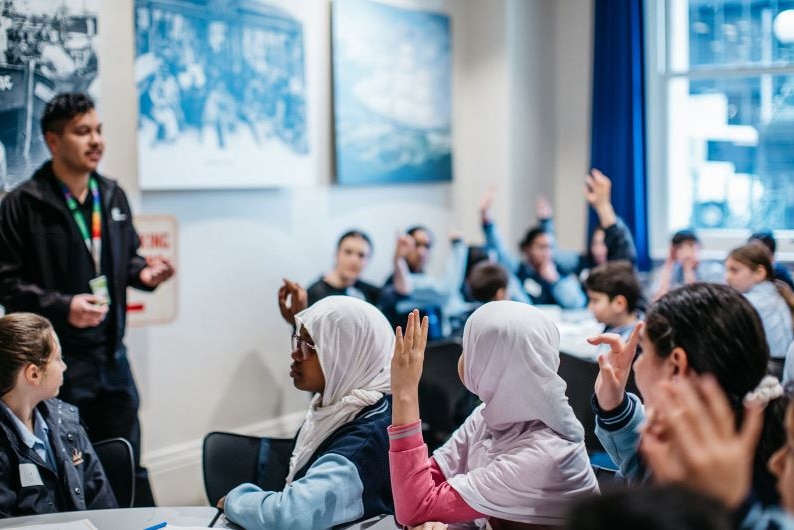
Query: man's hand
[[292, 299], [86, 311], [158, 269]]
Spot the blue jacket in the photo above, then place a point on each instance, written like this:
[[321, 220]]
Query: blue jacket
[[345, 480], [76, 482], [532, 288]]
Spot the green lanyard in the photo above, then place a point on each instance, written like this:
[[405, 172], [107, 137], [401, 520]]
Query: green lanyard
[[93, 241]]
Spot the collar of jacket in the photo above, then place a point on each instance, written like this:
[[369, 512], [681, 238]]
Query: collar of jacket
[[40, 187], [9, 429]]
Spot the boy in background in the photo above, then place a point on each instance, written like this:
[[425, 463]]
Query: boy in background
[[614, 294]]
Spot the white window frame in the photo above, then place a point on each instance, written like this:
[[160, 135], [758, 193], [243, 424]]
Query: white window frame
[[716, 242]]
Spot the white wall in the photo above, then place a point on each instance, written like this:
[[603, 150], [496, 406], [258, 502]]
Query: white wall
[[223, 363]]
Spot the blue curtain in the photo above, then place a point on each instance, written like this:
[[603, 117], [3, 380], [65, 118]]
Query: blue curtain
[[618, 127]]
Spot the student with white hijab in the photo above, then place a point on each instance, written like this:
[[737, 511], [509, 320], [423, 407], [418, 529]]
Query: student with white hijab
[[519, 459], [339, 471]]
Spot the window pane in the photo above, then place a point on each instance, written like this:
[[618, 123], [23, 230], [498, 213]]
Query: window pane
[[731, 152], [731, 33]]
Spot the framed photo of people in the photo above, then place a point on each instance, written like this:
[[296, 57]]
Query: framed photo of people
[[46, 47], [226, 92]]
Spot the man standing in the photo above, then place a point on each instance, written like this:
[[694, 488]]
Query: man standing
[[68, 251]]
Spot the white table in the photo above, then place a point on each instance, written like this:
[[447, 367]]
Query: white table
[[123, 518]]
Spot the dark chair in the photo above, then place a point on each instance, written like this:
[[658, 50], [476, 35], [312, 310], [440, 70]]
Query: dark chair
[[580, 375], [116, 457], [229, 460], [444, 403], [608, 479]]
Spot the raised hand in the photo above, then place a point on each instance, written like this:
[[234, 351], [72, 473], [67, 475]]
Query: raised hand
[[695, 442], [292, 299], [405, 244], [597, 191], [406, 369], [614, 367], [486, 203], [598, 188], [543, 208]]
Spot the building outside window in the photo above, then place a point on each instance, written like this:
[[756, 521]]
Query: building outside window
[[720, 102]]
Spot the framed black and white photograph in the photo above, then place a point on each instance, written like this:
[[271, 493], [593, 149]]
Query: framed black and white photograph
[[46, 47]]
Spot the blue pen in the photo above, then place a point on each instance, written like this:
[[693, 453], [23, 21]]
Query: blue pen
[[158, 525]]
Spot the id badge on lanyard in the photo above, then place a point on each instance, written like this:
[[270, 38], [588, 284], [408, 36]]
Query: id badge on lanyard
[[93, 240]]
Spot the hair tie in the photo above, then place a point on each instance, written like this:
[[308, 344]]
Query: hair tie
[[768, 389]]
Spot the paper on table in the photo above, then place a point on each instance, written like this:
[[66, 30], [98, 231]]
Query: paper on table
[[82, 524]]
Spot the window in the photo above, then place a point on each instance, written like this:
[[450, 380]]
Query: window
[[720, 102]]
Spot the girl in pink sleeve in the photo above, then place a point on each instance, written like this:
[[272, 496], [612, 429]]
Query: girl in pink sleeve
[[519, 459]]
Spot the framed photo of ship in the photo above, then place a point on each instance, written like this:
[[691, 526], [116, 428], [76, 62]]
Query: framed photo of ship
[[392, 81]]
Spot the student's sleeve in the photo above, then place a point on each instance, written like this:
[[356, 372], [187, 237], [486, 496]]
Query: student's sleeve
[[14, 290], [421, 493], [788, 366], [619, 243], [493, 241], [328, 495], [98, 494], [456, 268], [568, 292], [618, 431]]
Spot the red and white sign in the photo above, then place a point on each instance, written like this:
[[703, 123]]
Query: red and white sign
[[158, 235]]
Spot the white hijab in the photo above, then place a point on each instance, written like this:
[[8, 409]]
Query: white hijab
[[354, 343], [520, 456]]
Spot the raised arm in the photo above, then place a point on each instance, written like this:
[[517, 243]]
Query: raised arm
[[401, 281], [493, 239], [618, 414], [292, 299], [418, 496]]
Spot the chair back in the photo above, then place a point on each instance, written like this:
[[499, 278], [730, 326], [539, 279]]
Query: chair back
[[117, 459], [608, 479], [229, 460]]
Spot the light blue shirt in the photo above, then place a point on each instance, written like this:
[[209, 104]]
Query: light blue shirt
[[775, 317], [39, 439], [328, 495]]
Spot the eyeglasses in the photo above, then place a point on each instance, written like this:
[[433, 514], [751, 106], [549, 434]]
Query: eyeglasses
[[302, 345]]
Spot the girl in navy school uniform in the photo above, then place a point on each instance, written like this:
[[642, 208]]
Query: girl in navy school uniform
[[46, 460], [339, 469]]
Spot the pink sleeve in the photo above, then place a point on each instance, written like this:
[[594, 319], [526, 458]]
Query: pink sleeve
[[421, 492]]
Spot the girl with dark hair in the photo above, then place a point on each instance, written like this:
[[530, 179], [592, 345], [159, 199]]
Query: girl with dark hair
[[353, 250], [698, 329], [46, 459], [748, 269]]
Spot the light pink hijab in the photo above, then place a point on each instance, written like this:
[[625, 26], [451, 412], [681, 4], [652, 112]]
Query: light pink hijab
[[520, 456]]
